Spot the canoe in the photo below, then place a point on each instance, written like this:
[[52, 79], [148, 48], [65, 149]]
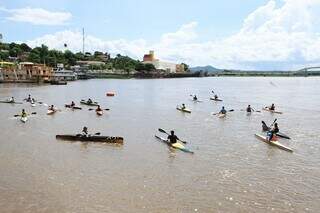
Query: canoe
[[184, 110], [23, 119], [69, 106], [100, 139], [272, 111], [51, 112], [99, 113], [215, 99], [10, 102], [220, 115], [175, 145], [91, 104], [273, 143]]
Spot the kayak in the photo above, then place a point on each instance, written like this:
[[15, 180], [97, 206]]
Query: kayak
[[184, 110], [100, 139], [249, 113], [215, 99], [110, 94], [175, 145], [99, 113], [23, 119], [51, 112], [273, 143], [33, 104], [89, 104], [196, 101], [69, 106], [10, 102], [272, 111], [220, 115]]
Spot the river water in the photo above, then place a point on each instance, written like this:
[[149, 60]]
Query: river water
[[230, 171]]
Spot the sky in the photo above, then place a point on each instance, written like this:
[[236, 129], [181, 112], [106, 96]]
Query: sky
[[229, 34]]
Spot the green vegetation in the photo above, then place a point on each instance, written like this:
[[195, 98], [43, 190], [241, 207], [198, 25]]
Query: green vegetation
[[22, 52]]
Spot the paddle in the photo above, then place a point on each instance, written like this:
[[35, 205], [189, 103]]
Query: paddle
[[95, 109], [33, 113], [163, 131], [273, 123], [231, 110]]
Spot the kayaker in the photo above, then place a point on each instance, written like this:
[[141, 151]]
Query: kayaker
[[223, 111], [85, 131], [272, 107], [264, 126], [52, 108], [33, 101], [72, 104], [183, 106], [11, 100], [173, 138], [89, 101], [23, 113], [29, 98], [215, 97], [249, 109], [274, 131], [98, 109], [195, 98]]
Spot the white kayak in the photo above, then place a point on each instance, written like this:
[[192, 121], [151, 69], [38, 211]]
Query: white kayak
[[23, 119], [50, 112], [220, 115], [272, 111], [99, 113], [184, 110], [273, 143]]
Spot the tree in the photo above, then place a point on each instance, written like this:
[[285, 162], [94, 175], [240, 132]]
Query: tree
[[186, 67], [25, 48], [149, 67]]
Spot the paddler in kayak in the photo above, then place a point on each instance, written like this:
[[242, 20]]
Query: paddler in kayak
[[11, 100], [84, 131], [23, 113], [29, 98], [89, 101], [215, 97], [223, 111], [52, 108], [273, 131], [249, 109], [173, 138], [272, 107], [195, 98], [183, 106], [72, 104], [98, 109], [264, 126]]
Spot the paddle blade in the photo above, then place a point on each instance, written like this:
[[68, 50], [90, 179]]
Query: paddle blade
[[231, 110], [163, 131], [16, 115], [33, 113], [98, 133], [107, 109]]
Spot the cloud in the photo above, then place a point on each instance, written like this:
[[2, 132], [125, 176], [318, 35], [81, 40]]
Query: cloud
[[37, 16], [273, 37]]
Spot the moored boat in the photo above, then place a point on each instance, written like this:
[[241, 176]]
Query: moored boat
[[100, 139], [273, 143]]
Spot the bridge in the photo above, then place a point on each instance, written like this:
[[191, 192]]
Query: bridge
[[309, 69]]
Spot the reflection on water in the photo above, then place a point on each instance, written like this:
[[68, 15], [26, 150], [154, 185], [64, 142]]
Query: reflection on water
[[231, 171]]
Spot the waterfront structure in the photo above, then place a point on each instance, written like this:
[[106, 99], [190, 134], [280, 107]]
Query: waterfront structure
[[60, 74], [162, 65], [24, 72]]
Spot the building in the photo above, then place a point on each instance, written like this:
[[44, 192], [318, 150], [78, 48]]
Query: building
[[162, 65], [25, 72]]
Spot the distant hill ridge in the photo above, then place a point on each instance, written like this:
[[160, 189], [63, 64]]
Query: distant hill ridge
[[207, 68]]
